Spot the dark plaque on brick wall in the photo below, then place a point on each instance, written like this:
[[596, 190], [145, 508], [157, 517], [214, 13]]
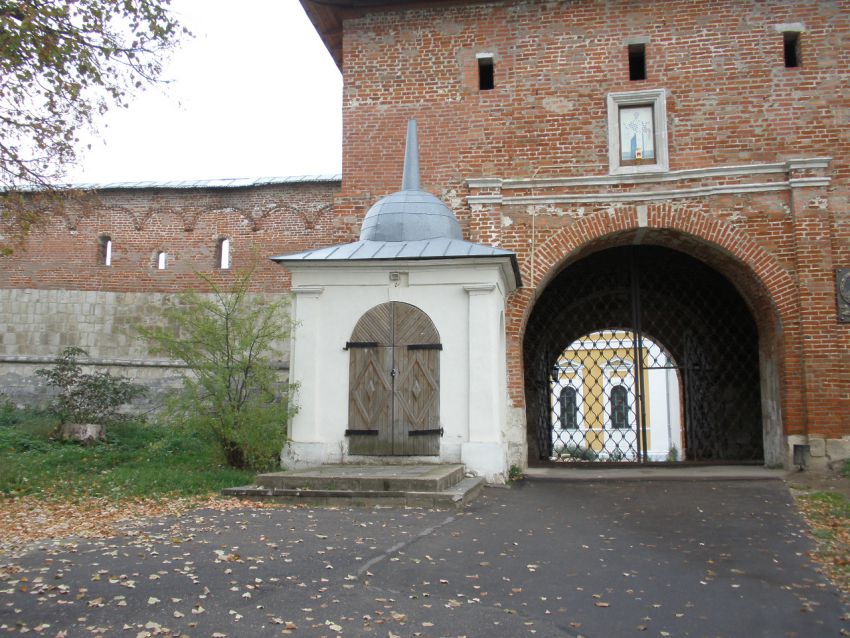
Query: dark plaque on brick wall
[[842, 280]]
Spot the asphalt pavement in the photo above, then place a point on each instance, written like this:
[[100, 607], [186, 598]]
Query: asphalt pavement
[[541, 558]]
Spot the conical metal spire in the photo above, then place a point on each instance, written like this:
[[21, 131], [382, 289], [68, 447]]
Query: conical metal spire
[[410, 214], [410, 177]]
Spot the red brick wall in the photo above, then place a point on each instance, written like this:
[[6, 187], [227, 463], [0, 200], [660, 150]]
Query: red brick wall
[[730, 101], [186, 224]]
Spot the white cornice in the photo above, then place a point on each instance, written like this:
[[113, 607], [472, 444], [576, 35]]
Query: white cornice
[[479, 289], [485, 182], [778, 168], [485, 199], [504, 263], [809, 162], [308, 291], [638, 196], [670, 176], [808, 182]]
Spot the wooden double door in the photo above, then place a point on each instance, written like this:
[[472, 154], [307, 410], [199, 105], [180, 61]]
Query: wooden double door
[[394, 383]]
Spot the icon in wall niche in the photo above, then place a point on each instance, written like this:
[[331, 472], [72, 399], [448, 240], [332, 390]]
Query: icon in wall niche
[[842, 280], [637, 135]]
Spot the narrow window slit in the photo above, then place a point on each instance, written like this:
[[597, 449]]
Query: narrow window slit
[[222, 254], [792, 49], [161, 260], [637, 62], [105, 250], [486, 75]]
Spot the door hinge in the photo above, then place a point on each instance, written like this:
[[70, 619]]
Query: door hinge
[[425, 432], [425, 346], [360, 344]]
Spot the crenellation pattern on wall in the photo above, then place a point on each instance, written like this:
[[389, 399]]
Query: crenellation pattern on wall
[[186, 224]]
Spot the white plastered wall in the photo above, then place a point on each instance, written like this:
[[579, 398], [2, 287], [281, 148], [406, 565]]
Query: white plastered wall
[[464, 298]]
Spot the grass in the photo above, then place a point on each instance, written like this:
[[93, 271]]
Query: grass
[[828, 514], [136, 460]]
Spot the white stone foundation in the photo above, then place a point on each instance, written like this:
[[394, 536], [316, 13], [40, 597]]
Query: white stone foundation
[[300, 455], [825, 454], [489, 460]]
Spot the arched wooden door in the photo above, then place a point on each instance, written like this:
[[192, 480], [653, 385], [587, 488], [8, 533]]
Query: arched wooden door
[[394, 383]]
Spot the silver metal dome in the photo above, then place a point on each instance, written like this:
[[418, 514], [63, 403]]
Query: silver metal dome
[[410, 214]]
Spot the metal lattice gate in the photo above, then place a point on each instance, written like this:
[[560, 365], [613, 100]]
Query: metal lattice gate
[[643, 354]]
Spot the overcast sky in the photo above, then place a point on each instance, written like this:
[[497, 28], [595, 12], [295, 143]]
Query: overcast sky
[[253, 94]]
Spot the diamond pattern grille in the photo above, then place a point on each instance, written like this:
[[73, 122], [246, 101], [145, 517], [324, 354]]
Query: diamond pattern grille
[[642, 354], [595, 409]]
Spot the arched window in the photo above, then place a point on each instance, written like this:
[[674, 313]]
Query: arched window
[[222, 253], [161, 260], [105, 250], [619, 407], [569, 408]]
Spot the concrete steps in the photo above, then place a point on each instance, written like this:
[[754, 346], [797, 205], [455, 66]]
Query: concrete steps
[[433, 486]]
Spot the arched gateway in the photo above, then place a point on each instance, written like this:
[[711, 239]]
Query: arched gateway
[[642, 353]]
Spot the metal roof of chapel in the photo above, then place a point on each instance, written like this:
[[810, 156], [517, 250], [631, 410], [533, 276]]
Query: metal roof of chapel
[[409, 224], [365, 249]]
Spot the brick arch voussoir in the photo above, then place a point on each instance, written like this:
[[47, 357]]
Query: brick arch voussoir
[[557, 249]]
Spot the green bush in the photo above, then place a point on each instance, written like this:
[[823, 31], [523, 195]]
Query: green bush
[[232, 390], [84, 397]]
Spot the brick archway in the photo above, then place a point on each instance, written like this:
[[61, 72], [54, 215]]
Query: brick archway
[[767, 288], [601, 230]]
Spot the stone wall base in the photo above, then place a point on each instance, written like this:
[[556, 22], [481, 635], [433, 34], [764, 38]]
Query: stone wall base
[[824, 454], [489, 460]]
